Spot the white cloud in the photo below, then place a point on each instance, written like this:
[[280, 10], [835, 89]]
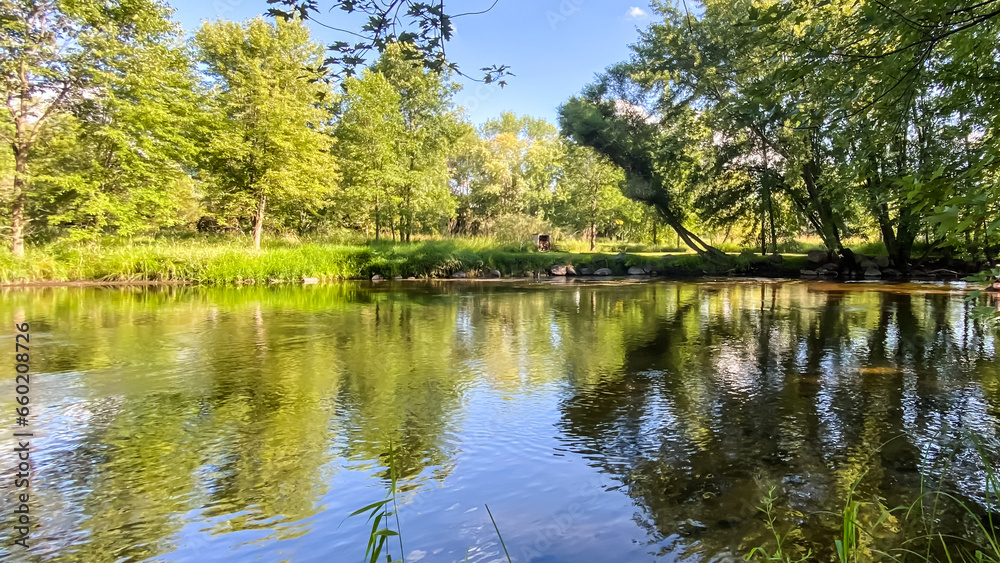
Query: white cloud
[[636, 13]]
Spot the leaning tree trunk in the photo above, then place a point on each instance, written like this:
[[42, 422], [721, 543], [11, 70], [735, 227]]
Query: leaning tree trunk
[[258, 221], [692, 240]]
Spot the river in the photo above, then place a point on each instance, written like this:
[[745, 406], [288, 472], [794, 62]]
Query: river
[[600, 421]]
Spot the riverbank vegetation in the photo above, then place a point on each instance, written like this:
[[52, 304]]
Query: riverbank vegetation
[[226, 260], [835, 121]]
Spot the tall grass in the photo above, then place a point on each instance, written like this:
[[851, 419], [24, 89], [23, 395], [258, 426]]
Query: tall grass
[[380, 516], [778, 553], [213, 261], [921, 535], [227, 261]]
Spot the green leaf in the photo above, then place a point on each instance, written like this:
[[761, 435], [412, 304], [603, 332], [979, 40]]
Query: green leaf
[[372, 506]]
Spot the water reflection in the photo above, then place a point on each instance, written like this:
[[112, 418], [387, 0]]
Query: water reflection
[[601, 422], [741, 388]]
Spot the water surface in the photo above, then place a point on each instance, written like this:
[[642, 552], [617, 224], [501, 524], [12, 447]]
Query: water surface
[[600, 421]]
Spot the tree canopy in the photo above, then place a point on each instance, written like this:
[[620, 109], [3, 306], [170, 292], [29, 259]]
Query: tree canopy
[[754, 124], [89, 70], [269, 139], [843, 117]]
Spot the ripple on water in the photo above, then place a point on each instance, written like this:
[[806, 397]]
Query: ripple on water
[[634, 422]]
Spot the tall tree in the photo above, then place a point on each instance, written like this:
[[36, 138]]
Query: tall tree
[[524, 161], [588, 197], [877, 98], [430, 128], [466, 162], [738, 83], [54, 55], [369, 133], [870, 114], [120, 162], [273, 140]]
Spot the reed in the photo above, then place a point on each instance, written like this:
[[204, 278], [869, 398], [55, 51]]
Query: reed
[[383, 512], [380, 515], [919, 538], [232, 261]]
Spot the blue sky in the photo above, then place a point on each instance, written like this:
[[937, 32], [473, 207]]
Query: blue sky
[[554, 47]]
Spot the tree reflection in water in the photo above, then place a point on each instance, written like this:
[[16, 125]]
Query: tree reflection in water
[[810, 388], [182, 423]]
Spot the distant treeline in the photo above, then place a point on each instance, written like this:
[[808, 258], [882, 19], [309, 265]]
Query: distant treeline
[[120, 125], [753, 122]]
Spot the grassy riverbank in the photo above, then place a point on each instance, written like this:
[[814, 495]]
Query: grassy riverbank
[[231, 261]]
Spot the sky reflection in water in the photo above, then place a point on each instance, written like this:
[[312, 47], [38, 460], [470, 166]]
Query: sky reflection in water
[[600, 422]]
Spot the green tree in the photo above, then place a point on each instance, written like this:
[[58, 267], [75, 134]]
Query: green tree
[[659, 148], [57, 55], [369, 134], [918, 108], [526, 161], [430, 128], [588, 198], [863, 116], [466, 162], [877, 120], [272, 139], [748, 98], [120, 161]]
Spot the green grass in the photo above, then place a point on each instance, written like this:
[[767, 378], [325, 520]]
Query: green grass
[[870, 532], [232, 261], [380, 516], [778, 552], [227, 261], [857, 541], [215, 260]]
